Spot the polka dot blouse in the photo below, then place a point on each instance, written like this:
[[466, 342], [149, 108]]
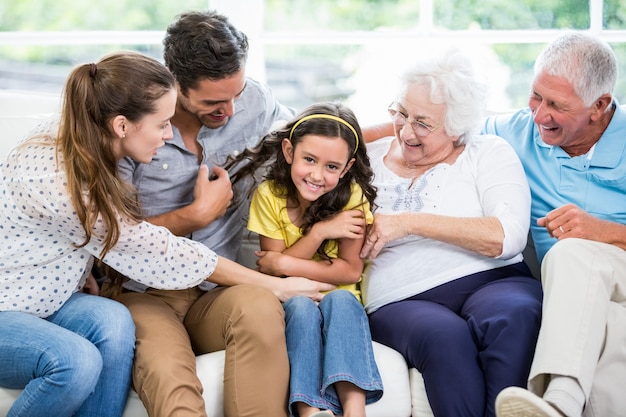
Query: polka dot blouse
[[40, 266]]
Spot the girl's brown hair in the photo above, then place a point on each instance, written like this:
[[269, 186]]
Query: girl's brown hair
[[268, 153]]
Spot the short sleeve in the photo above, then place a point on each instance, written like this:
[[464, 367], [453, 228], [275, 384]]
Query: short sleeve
[[264, 217]]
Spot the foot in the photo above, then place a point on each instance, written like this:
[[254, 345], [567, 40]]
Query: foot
[[518, 402]]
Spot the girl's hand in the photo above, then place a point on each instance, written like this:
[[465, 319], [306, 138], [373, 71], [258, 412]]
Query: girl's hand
[[349, 224], [269, 262]]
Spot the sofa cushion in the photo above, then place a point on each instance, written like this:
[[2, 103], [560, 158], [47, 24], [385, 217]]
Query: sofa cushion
[[210, 369], [419, 401], [396, 400]]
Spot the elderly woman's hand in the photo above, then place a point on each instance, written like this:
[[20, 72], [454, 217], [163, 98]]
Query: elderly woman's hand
[[386, 228]]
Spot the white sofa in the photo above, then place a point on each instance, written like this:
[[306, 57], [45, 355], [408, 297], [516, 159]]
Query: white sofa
[[404, 388]]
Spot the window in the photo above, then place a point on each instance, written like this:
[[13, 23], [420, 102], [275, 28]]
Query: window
[[309, 51]]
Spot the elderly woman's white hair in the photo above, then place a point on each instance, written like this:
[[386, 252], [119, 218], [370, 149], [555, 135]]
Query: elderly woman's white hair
[[452, 82]]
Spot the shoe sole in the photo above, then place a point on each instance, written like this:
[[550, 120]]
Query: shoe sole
[[517, 402]]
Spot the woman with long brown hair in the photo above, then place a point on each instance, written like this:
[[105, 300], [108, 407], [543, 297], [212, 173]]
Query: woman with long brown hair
[[62, 206]]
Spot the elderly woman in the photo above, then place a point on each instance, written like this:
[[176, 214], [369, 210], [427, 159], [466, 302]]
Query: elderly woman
[[446, 284]]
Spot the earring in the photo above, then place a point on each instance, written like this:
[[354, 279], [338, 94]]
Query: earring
[[124, 136]]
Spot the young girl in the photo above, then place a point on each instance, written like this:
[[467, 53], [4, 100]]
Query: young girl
[[310, 213]]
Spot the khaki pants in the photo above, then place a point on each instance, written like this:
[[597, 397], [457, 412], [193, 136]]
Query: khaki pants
[[174, 326], [583, 330]]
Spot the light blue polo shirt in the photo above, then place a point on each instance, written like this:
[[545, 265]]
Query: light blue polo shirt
[[167, 182], [595, 182]]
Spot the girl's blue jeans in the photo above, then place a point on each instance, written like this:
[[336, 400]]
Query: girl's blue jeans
[[76, 362], [328, 343]]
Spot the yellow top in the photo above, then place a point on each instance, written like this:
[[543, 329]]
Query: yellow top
[[269, 217]]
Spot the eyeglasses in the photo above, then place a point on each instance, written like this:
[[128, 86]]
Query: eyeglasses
[[419, 128]]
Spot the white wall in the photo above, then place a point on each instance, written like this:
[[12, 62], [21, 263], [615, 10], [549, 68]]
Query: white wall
[[20, 111]]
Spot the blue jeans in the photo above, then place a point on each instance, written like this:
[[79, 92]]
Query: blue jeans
[[75, 362], [470, 338], [327, 344]]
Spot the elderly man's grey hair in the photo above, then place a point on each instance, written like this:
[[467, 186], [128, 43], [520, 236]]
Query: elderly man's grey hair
[[587, 62]]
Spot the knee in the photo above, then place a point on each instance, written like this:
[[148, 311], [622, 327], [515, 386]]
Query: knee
[[340, 301], [562, 249], [257, 312], [79, 364], [572, 251], [517, 313], [423, 343], [120, 321], [300, 310], [257, 305], [118, 325], [524, 300], [115, 334]]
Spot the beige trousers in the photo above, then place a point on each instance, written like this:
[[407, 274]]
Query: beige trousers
[[174, 326], [583, 330]]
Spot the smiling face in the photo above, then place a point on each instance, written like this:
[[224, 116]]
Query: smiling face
[[317, 164], [213, 102], [560, 115], [143, 138], [429, 148]]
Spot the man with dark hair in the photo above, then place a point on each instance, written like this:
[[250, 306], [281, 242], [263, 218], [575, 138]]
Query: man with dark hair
[[219, 112]]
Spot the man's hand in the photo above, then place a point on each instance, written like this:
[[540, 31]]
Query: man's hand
[[91, 286], [211, 197], [571, 221]]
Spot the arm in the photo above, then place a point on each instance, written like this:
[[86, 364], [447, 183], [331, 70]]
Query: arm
[[276, 231], [483, 235], [347, 227], [345, 269], [211, 199], [349, 224], [487, 207], [374, 132], [229, 273], [576, 222]]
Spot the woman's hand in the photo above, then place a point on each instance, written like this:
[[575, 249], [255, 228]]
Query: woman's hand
[[285, 288], [386, 228]]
